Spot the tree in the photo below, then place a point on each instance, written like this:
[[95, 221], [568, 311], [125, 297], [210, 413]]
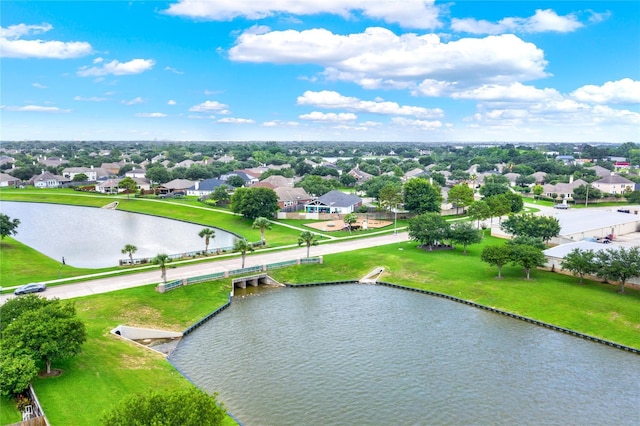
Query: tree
[[428, 229], [129, 185], [580, 262], [158, 174], [465, 233], [390, 195], [527, 256], [490, 189], [80, 177], [162, 259], [235, 181], [16, 306], [220, 195], [479, 210], [422, 197], [255, 202], [8, 226], [317, 185], [207, 234], [243, 246], [16, 372], [349, 219], [498, 205], [528, 224], [496, 256], [129, 249], [347, 180], [460, 196], [309, 239], [262, 223], [188, 407], [516, 202], [47, 333], [618, 264]]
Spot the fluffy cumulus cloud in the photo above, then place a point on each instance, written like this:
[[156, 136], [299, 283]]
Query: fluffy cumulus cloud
[[280, 123], [408, 13], [515, 92], [542, 21], [334, 100], [625, 91], [378, 58], [210, 106], [36, 108], [115, 67], [14, 45], [420, 124], [329, 117]]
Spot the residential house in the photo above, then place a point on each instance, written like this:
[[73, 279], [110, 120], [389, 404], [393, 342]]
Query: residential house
[[539, 177], [291, 199], [563, 190], [205, 187], [512, 177], [52, 161], [566, 159], [176, 186], [334, 202], [359, 175], [4, 159], [614, 184], [93, 174], [248, 177], [136, 173], [111, 186], [112, 168], [279, 181], [601, 171], [48, 180], [8, 180], [414, 173]]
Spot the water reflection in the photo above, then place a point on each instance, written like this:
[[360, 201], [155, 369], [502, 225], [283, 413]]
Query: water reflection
[[93, 238]]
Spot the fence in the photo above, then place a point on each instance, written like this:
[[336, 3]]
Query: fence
[[185, 255], [164, 287]]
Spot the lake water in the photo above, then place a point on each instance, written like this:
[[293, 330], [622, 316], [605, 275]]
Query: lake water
[[374, 355], [93, 238]]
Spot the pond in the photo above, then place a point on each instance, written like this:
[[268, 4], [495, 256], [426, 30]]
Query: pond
[[372, 355], [93, 238]]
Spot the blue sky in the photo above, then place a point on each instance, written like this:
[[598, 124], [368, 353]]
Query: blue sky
[[283, 70]]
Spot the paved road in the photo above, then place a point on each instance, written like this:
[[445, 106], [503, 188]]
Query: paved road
[[104, 285]]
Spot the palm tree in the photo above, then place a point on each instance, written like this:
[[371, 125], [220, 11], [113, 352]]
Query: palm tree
[[129, 249], [162, 259], [243, 246], [262, 223], [308, 238], [207, 234]]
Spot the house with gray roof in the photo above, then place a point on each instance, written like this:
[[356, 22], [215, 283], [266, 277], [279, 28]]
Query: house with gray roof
[[48, 180], [334, 202], [205, 187], [8, 180], [614, 184]]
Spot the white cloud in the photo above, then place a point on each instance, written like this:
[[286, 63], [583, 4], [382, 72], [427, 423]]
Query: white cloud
[[232, 120], [98, 60], [35, 108], [210, 106], [517, 92], [421, 124], [171, 102], [39, 86], [115, 67], [378, 58], [625, 91], [90, 99], [408, 13], [134, 101], [333, 100], [279, 123], [12, 45], [542, 21], [173, 70], [331, 116], [151, 115]]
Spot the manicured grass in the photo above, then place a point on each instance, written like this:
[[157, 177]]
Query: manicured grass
[[109, 369], [20, 264]]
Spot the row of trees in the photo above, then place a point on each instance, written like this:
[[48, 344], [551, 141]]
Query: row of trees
[[431, 230], [522, 251], [615, 264]]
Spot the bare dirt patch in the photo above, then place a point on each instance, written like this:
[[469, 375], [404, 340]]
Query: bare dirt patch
[[339, 225]]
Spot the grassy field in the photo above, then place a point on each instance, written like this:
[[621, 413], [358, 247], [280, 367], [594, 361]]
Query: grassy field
[[110, 369]]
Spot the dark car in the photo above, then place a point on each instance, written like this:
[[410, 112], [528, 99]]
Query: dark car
[[30, 288]]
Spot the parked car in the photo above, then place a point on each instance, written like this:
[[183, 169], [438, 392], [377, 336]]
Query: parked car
[[30, 288], [561, 206]]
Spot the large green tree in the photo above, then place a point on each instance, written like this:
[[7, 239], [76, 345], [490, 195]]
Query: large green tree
[[317, 185], [188, 407], [479, 210], [8, 226], [499, 205], [255, 202], [496, 256], [129, 185], [580, 262], [428, 229], [16, 372], [421, 197], [528, 224], [527, 256], [465, 233], [460, 196], [618, 264], [48, 333]]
